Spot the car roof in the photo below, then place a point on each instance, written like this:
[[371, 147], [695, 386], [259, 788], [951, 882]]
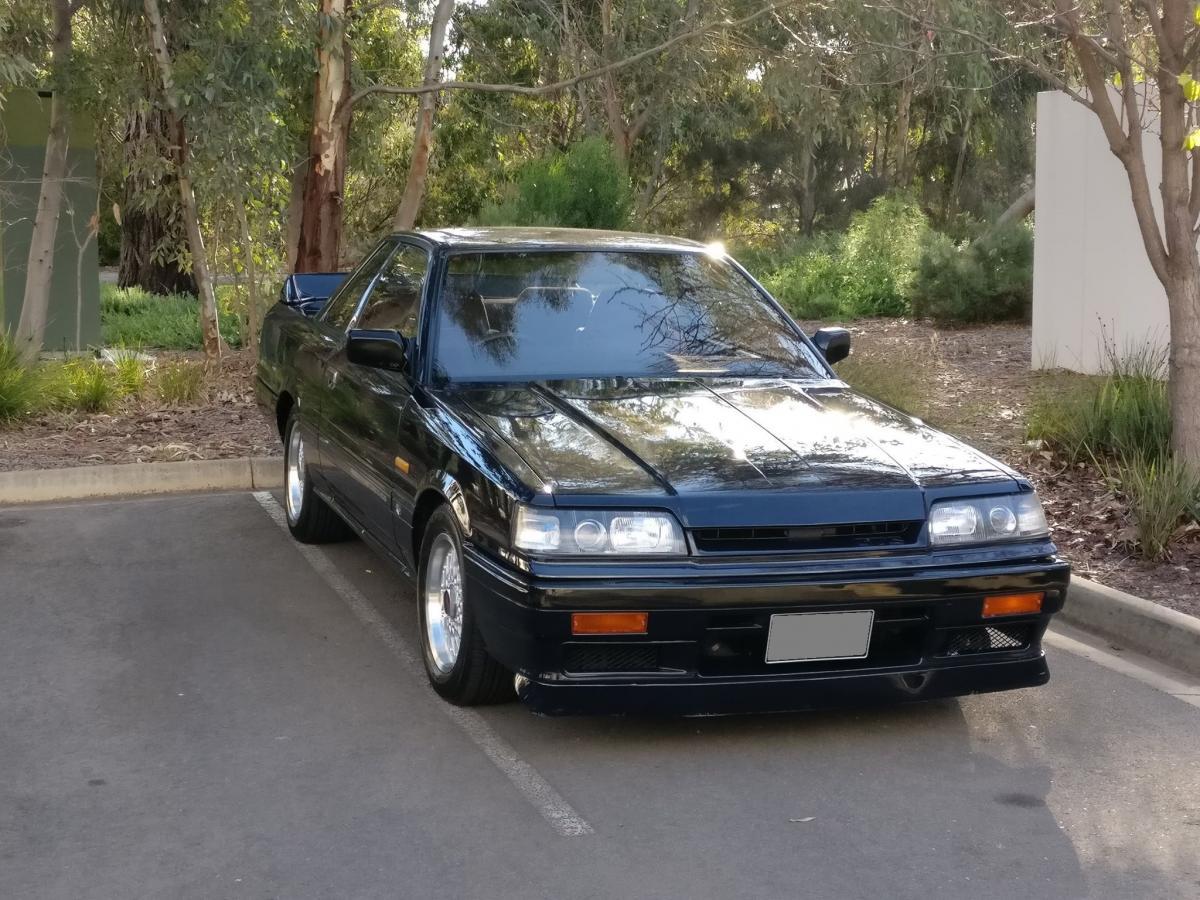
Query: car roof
[[522, 239]]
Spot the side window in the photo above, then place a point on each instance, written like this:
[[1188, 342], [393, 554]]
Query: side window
[[395, 299], [342, 304]]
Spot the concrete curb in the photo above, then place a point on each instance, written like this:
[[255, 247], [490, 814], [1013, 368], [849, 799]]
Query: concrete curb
[[1163, 634], [87, 482]]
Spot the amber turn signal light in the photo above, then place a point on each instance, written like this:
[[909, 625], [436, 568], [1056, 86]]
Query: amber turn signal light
[[1012, 605], [609, 622]]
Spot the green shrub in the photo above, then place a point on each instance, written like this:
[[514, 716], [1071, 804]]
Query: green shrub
[[866, 272], [811, 286], [1161, 493], [179, 382], [20, 387], [986, 280], [881, 250], [1124, 414], [91, 385], [133, 318], [583, 187]]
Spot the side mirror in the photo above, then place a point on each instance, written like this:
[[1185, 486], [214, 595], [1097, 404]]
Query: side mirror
[[377, 348], [834, 343], [311, 308]]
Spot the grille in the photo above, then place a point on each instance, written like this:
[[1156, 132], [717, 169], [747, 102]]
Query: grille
[[987, 639], [808, 537], [610, 658]]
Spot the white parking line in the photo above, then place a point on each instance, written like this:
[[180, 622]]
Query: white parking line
[[525, 778], [1177, 687]]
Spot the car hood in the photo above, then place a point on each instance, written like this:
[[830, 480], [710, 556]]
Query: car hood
[[713, 439]]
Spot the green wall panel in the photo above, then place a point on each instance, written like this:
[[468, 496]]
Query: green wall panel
[[74, 316]]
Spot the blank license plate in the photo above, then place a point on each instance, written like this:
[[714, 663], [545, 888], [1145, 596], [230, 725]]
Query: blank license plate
[[805, 637]]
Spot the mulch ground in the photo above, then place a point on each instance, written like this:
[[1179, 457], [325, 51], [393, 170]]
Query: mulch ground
[[974, 382], [223, 423]]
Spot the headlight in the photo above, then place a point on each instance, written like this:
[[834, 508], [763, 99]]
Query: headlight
[[984, 520], [597, 533]]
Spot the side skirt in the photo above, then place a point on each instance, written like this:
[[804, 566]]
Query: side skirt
[[381, 548]]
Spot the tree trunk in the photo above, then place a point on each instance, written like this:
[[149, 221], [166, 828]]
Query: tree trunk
[[1183, 296], [903, 114], [150, 235], [295, 211], [321, 220], [35, 306], [209, 325], [253, 308], [1016, 212], [418, 168]]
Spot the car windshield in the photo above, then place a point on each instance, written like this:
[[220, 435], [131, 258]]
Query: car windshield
[[591, 314]]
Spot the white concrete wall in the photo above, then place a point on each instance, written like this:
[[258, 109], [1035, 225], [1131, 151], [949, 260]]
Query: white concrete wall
[[1091, 279]]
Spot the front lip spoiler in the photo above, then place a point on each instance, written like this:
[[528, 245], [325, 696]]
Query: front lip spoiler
[[728, 696]]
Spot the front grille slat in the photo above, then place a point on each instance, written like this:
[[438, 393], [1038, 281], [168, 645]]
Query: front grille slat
[[760, 539]]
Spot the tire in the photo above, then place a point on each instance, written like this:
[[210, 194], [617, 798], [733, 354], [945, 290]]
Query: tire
[[463, 673], [309, 518]]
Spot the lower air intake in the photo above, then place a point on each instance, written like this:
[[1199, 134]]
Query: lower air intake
[[988, 639], [583, 658]]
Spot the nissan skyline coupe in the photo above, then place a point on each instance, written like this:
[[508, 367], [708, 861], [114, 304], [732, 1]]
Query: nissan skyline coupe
[[623, 480]]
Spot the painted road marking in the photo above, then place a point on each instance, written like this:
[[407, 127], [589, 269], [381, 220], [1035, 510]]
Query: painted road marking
[[524, 777], [1188, 692]]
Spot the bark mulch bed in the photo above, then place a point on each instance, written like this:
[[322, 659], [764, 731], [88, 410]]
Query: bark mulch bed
[[973, 382], [223, 423]]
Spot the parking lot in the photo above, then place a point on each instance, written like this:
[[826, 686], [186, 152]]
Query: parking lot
[[196, 706]]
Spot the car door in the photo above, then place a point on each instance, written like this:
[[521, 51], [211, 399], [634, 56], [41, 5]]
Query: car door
[[330, 328], [364, 421]]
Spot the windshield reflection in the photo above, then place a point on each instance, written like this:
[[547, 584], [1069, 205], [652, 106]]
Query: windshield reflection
[[591, 314]]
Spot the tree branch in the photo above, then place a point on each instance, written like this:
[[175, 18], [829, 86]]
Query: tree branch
[[556, 86]]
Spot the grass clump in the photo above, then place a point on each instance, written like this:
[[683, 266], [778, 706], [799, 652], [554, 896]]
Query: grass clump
[[179, 382], [1124, 414], [20, 387], [1121, 422], [130, 371], [91, 385], [1161, 494], [131, 317]]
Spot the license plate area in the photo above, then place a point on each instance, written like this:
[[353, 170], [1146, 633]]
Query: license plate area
[[819, 636]]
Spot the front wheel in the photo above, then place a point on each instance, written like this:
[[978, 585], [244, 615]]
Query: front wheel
[[310, 519], [456, 660]]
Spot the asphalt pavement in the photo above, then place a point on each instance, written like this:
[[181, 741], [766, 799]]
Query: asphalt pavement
[[194, 706]]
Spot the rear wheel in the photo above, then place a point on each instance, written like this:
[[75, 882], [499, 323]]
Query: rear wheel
[[456, 660], [310, 519]]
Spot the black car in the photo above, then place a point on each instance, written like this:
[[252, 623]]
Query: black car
[[625, 480]]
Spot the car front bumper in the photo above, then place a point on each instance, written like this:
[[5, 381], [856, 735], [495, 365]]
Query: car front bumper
[[704, 650]]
